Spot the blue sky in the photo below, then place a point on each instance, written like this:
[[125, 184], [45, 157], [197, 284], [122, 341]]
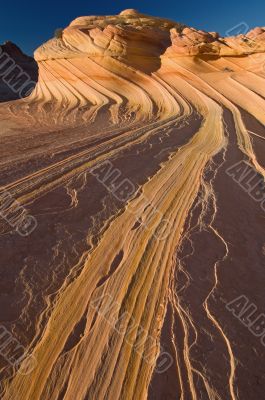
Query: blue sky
[[29, 23]]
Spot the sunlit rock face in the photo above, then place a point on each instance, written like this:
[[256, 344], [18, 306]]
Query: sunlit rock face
[[97, 61], [257, 34], [131, 34], [141, 155], [194, 42], [125, 37]]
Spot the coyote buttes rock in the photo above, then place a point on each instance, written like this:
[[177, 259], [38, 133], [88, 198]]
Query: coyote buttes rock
[[16, 57], [141, 155], [68, 64], [124, 35]]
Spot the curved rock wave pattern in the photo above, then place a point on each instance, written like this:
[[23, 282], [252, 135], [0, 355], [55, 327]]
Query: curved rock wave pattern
[[115, 276]]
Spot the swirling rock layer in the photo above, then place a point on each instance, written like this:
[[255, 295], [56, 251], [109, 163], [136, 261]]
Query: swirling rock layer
[[114, 276]]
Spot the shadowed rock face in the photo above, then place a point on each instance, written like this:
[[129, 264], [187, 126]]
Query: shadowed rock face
[[141, 155], [12, 67]]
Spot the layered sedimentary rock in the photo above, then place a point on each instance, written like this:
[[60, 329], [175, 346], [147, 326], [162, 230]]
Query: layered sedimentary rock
[[196, 42], [106, 62], [129, 154]]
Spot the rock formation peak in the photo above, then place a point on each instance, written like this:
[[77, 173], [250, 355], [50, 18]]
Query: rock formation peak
[[130, 11], [132, 34], [14, 66]]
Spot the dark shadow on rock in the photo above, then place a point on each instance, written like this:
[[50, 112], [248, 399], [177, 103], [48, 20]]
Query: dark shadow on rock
[[18, 73]]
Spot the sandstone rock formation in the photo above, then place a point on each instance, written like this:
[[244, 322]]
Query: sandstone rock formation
[[99, 46], [13, 62], [141, 155], [196, 42]]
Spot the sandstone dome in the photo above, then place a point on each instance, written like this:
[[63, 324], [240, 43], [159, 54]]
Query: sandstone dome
[[130, 11]]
